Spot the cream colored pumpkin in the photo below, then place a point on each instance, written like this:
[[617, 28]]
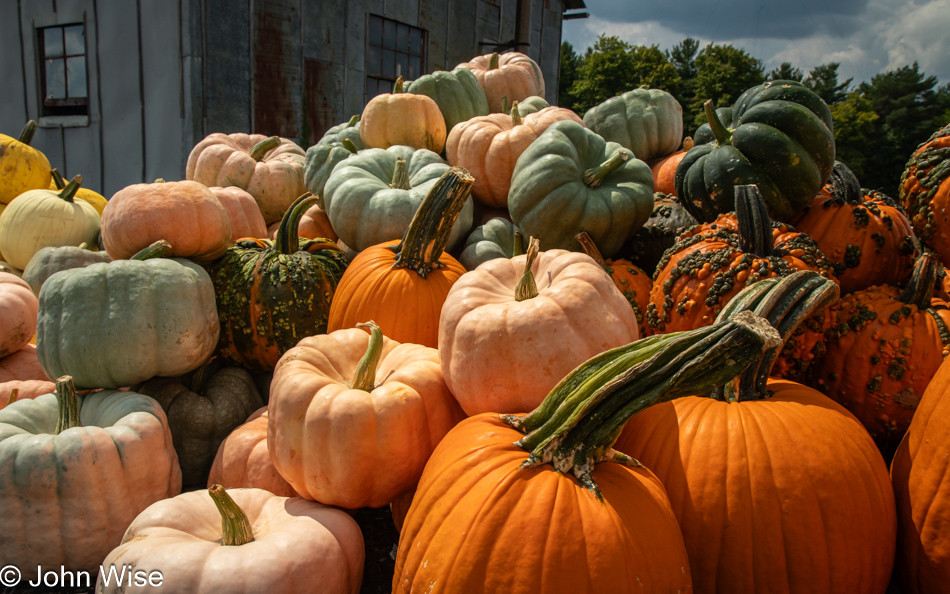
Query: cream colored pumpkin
[[403, 119], [503, 355]]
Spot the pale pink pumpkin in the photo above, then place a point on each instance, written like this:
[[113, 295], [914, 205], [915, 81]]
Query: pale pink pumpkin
[[26, 389], [243, 461], [22, 365], [313, 224], [243, 212], [18, 310], [514, 76]]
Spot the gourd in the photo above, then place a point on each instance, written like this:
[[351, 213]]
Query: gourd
[[50, 260], [22, 167], [18, 311], [401, 118], [648, 122], [512, 76], [458, 95], [925, 192]]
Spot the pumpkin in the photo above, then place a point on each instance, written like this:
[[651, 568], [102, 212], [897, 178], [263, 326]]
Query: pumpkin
[[203, 407], [22, 365], [401, 118], [401, 285], [18, 311], [229, 542], [14, 390], [355, 416], [314, 224], [44, 218], [50, 260], [545, 489], [497, 238], [527, 106], [925, 192], [97, 200], [6, 267], [634, 284], [664, 170], [22, 167], [271, 169], [711, 263], [489, 146], [339, 143], [270, 294], [658, 234], [243, 462], [530, 320], [94, 463], [122, 322], [186, 214], [648, 122], [458, 95], [244, 216], [372, 196], [512, 76], [347, 130], [863, 232], [781, 139], [886, 346], [570, 180], [399, 507], [758, 515], [704, 133], [919, 475]]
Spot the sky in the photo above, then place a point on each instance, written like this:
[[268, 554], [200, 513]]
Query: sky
[[865, 36]]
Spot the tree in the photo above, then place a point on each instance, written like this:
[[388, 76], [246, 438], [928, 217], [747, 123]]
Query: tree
[[653, 68], [606, 71], [723, 73], [570, 63], [683, 56], [786, 72], [854, 132], [823, 80]]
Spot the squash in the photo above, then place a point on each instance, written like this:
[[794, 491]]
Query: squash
[[401, 118], [18, 311], [781, 139], [648, 122], [664, 169], [669, 218], [94, 463], [314, 224], [530, 105], [925, 192], [186, 214], [371, 197], [401, 285], [497, 238], [269, 168], [97, 200], [512, 76], [489, 146], [570, 180], [458, 95], [50, 260], [355, 416], [22, 167], [14, 390], [22, 365], [529, 333], [634, 284], [6, 267], [243, 462], [44, 218], [271, 294], [123, 322], [339, 143], [244, 216], [231, 541]]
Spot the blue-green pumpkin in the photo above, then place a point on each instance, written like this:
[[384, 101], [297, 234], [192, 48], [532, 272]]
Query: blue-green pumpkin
[[339, 143], [457, 93]]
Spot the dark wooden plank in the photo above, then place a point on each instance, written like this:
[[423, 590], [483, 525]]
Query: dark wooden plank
[[277, 71], [164, 152], [226, 67], [323, 84], [13, 109], [433, 15]]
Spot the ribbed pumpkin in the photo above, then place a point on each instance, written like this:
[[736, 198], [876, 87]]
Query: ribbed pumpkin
[[648, 122], [497, 238], [634, 283], [22, 167], [22, 365], [339, 143], [925, 192], [14, 390], [244, 215], [401, 118], [457, 93], [593, 520], [18, 311], [776, 487], [401, 285], [313, 224], [243, 462], [512, 76], [711, 263], [97, 200], [532, 104], [887, 346], [270, 294], [50, 260], [863, 232], [664, 170], [658, 234]]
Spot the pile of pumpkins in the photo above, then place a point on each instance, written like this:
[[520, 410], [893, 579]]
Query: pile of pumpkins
[[511, 324]]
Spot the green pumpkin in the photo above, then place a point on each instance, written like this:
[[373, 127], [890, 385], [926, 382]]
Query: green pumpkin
[[649, 122], [530, 105], [571, 180], [371, 197], [119, 323], [704, 133], [350, 129], [50, 260], [272, 293], [339, 143], [494, 239], [457, 93], [781, 139]]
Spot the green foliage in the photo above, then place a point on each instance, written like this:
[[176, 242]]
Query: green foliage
[[723, 72], [854, 132], [823, 80], [786, 72], [570, 63]]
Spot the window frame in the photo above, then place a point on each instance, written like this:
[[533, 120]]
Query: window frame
[[377, 77], [66, 106]]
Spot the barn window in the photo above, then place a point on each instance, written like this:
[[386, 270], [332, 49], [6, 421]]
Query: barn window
[[63, 78], [393, 49]]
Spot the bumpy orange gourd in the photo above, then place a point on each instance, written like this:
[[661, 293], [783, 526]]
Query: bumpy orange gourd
[[22, 167], [243, 462], [925, 192], [512, 76], [400, 118], [18, 311], [244, 215]]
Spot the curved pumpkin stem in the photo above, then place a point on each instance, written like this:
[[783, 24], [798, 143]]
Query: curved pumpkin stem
[[400, 176], [68, 404], [263, 147], [287, 238], [155, 250], [353, 121], [493, 61], [920, 288], [590, 248], [518, 248], [69, 192], [365, 376], [235, 527], [26, 135], [722, 134], [428, 233], [845, 185], [515, 115], [349, 145], [527, 288], [58, 179], [752, 218], [399, 87], [594, 176]]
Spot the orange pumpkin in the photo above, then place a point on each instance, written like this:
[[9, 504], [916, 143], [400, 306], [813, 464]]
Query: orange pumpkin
[[22, 365], [925, 192], [400, 118], [244, 215], [664, 169], [634, 283], [313, 224], [18, 312], [512, 76], [243, 462], [23, 390]]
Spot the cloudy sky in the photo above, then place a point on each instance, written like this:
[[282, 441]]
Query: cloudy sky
[[865, 36]]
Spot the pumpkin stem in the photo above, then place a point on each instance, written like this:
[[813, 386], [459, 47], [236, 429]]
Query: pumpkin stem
[[400, 176], [428, 233], [26, 135], [594, 176], [263, 147], [84, 246], [515, 115], [493, 61], [160, 180], [156, 250], [69, 192], [14, 393], [845, 185], [723, 135], [365, 376], [504, 105], [527, 288], [68, 404], [578, 422], [353, 121], [688, 143], [920, 288], [398, 87], [518, 247], [349, 145], [235, 527], [287, 238], [590, 248], [752, 218], [58, 179]]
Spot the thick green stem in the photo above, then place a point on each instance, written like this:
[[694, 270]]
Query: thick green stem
[[527, 288], [505, 108], [752, 218], [69, 192], [518, 248], [365, 376], [400, 176], [594, 176], [155, 250], [493, 61], [515, 115], [287, 238], [235, 527], [919, 289], [353, 121], [26, 135], [349, 145], [722, 134], [68, 404], [263, 147], [590, 248], [428, 233], [398, 87], [845, 185], [58, 180]]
